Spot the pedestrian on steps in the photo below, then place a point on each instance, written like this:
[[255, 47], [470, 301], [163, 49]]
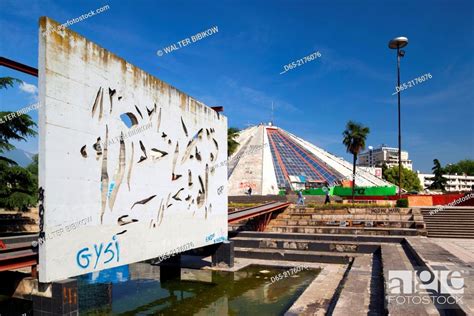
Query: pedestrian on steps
[[300, 198], [326, 190]]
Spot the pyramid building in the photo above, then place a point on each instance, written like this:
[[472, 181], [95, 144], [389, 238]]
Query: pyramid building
[[271, 160]]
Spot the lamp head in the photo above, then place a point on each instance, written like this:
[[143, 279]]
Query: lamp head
[[398, 42]]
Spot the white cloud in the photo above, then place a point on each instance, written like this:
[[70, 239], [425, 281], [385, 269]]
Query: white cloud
[[29, 88]]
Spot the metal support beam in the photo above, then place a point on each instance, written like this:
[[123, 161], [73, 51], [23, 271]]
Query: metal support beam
[[18, 66]]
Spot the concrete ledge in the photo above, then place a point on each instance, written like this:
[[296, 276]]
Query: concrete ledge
[[429, 255], [317, 297], [355, 297]]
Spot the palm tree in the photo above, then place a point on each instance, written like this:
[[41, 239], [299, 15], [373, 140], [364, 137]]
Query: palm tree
[[354, 140], [8, 81], [232, 144]]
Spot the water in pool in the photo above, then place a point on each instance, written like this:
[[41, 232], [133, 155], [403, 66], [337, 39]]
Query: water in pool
[[138, 290]]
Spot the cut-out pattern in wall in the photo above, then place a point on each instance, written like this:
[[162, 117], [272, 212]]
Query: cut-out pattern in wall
[[133, 119], [84, 151], [139, 112], [111, 95], [104, 176], [123, 220], [110, 190], [184, 127], [144, 201], [118, 178]]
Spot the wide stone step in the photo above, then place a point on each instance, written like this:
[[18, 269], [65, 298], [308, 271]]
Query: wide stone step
[[344, 222], [449, 219], [361, 293], [294, 255], [459, 227], [454, 222], [305, 244], [467, 230], [451, 225], [319, 237], [433, 256], [344, 230], [372, 211], [441, 215], [447, 213], [449, 235], [394, 258], [449, 208], [397, 217], [454, 225]]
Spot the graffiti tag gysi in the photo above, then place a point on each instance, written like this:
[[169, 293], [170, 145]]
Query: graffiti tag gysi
[[108, 253]]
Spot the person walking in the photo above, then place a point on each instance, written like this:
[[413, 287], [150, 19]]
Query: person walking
[[328, 199], [300, 198], [249, 191]]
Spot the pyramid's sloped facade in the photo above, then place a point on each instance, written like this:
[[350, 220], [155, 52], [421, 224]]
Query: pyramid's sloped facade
[[269, 159]]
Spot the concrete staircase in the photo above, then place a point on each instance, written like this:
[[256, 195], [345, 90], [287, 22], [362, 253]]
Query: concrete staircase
[[450, 222], [350, 221], [368, 260], [369, 242], [305, 247]]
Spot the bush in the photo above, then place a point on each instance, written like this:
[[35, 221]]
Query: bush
[[340, 206], [402, 203]]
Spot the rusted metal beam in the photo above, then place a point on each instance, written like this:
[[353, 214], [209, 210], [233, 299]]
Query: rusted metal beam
[[18, 66], [18, 252], [256, 211], [19, 264]]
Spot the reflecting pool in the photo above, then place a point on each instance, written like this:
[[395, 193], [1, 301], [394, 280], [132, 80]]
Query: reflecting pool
[[138, 290]]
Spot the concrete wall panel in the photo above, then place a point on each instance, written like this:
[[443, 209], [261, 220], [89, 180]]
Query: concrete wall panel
[[144, 196]]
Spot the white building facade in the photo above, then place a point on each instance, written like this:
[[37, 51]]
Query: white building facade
[[383, 155], [455, 183]]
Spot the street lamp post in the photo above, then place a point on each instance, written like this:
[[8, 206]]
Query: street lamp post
[[397, 43]]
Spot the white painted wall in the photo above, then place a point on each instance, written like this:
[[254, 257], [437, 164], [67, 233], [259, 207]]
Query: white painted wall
[[71, 72], [269, 181], [248, 162]]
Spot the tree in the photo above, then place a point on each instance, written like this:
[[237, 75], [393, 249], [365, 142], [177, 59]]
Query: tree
[[18, 186], [465, 166], [410, 180], [8, 81], [13, 129], [354, 140], [439, 182], [32, 168], [232, 144], [18, 129]]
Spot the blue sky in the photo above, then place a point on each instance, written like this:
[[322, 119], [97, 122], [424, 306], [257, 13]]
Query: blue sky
[[239, 67]]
